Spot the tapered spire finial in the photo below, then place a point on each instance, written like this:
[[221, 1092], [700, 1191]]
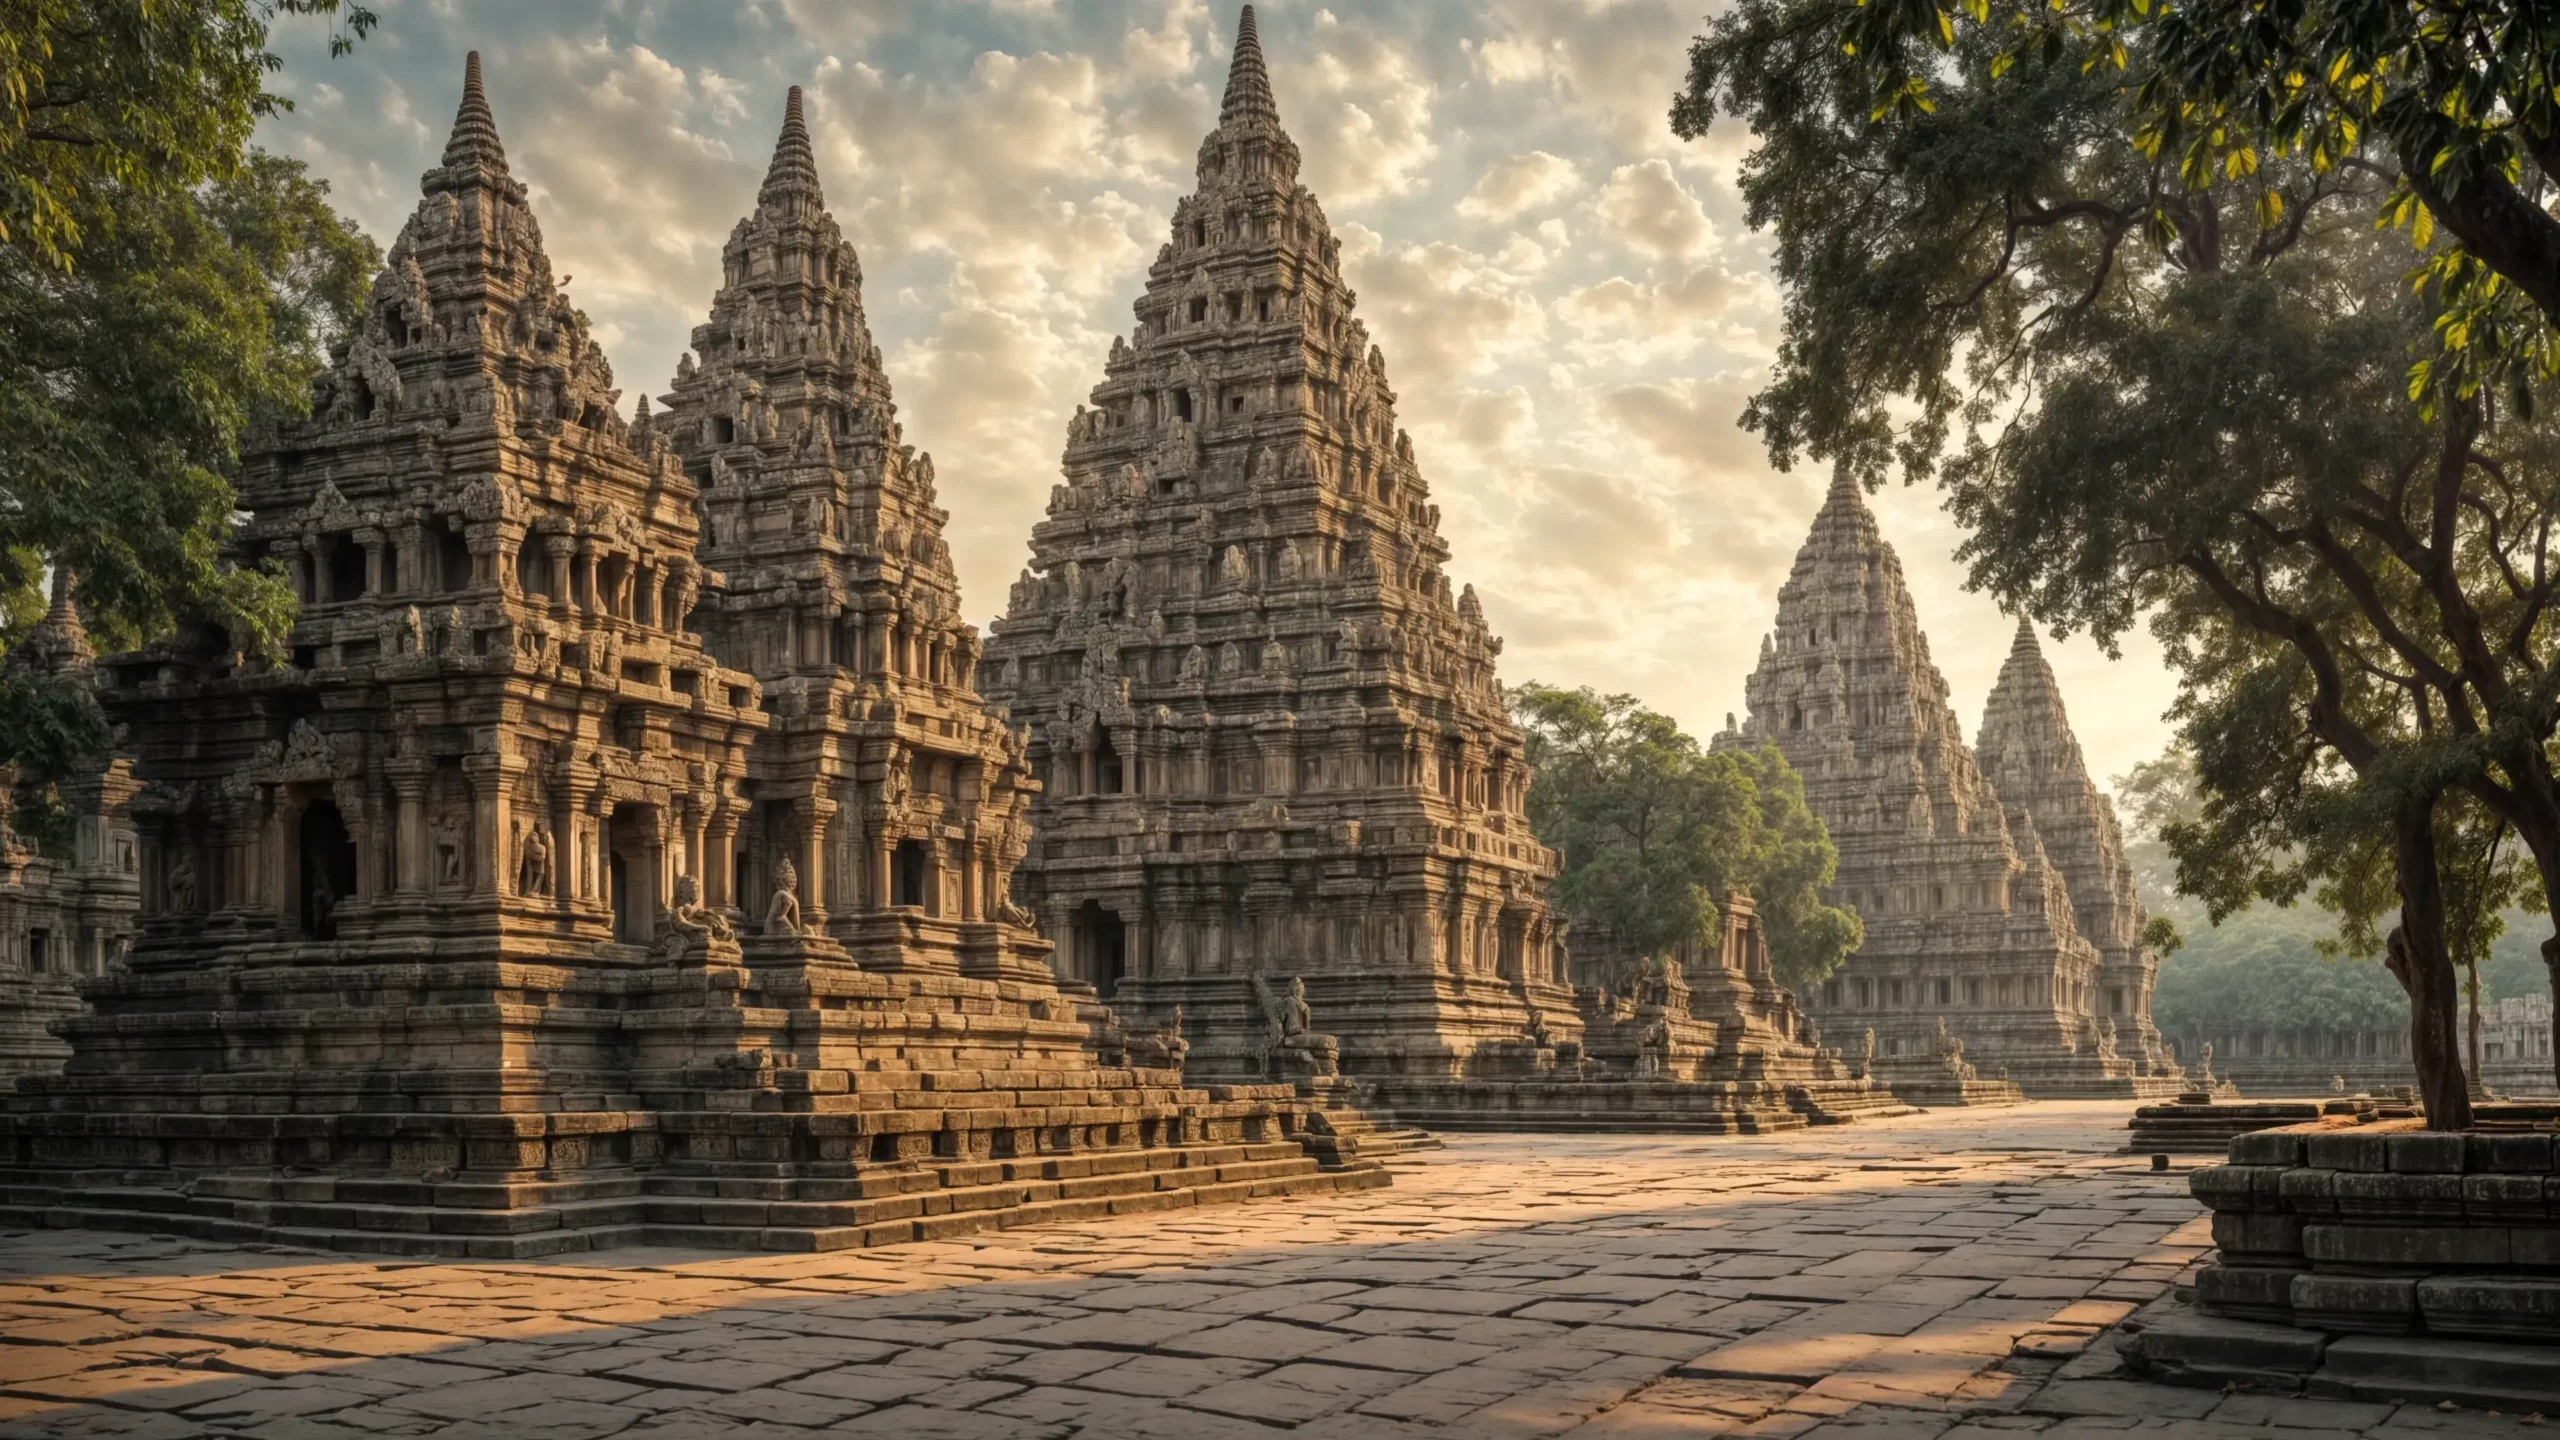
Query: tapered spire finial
[[1248, 83], [475, 133], [794, 172]]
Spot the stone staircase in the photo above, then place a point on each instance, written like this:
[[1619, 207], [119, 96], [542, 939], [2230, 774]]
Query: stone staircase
[[712, 1207]]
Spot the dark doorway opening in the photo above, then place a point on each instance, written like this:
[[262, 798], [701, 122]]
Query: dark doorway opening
[[618, 877], [346, 570], [906, 874], [328, 868], [1108, 771], [1102, 943]]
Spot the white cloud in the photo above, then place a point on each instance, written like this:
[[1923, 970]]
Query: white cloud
[[1511, 188], [1571, 312], [1646, 206]]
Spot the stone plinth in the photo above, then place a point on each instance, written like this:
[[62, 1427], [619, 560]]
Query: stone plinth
[[446, 946], [2197, 1124], [2372, 1257], [1969, 923]]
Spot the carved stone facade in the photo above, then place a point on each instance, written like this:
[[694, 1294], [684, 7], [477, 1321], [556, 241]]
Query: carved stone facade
[[1283, 797], [1272, 743], [899, 801], [2032, 760], [67, 917], [442, 946], [1970, 930]]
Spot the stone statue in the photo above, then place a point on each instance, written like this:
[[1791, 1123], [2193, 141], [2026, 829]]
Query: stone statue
[[1293, 1042], [1867, 1054], [1195, 665], [1951, 1053], [2204, 1065], [782, 916], [533, 870], [182, 884], [688, 923], [447, 827], [1653, 1048], [1233, 568]]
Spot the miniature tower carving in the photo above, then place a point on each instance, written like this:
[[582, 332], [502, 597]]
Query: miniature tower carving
[[901, 804]]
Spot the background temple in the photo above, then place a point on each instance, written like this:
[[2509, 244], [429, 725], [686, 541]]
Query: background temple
[[1974, 928]]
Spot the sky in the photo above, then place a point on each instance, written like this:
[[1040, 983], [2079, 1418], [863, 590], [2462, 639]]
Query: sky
[[1572, 306]]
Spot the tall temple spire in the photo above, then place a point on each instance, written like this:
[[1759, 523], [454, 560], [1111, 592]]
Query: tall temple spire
[[475, 131], [1249, 97], [792, 180]]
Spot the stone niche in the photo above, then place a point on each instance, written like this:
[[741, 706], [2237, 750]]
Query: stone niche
[[2368, 1258], [504, 914]]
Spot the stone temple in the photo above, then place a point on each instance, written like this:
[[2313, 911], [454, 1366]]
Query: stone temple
[[63, 918], [445, 947], [1976, 966], [1282, 799]]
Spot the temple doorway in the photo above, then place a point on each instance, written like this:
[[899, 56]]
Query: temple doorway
[[327, 869], [618, 885], [906, 874], [1102, 946]]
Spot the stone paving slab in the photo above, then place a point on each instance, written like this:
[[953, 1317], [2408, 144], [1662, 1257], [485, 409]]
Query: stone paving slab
[[1947, 1276]]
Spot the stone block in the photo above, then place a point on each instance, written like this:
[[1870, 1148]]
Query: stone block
[[2426, 1153], [2246, 1291], [2405, 1246], [2355, 1303], [2521, 1307], [2245, 1235], [2359, 1149], [2508, 1154], [2267, 1147], [2468, 1372], [2189, 1347]]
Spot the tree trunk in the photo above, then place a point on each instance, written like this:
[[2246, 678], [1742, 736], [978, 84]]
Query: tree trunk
[[2420, 960]]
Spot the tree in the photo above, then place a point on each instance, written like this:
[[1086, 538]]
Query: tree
[[161, 288], [2191, 403], [1655, 831]]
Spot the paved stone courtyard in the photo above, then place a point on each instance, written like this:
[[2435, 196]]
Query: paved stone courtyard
[[1945, 1276]]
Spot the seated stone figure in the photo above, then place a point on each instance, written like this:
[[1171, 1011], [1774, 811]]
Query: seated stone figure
[[1160, 1048], [689, 926], [1295, 1045], [782, 915]]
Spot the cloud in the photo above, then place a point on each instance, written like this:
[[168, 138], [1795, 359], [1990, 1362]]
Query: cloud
[[1511, 188], [1358, 105], [1572, 311], [1647, 207]]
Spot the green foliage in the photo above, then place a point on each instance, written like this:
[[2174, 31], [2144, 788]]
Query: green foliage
[[161, 290], [1655, 831], [2458, 104], [2155, 389], [106, 104]]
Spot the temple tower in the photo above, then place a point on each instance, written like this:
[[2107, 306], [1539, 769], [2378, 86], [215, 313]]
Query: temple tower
[[1270, 736], [2033, 760], [901, 802], [1969, 927], [442, 936], [66, 915]]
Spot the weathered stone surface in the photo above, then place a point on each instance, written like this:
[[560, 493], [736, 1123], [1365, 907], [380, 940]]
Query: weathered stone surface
[[66, 917], [448, 952], [2033, 762], [1972, 957], [1272, 744]]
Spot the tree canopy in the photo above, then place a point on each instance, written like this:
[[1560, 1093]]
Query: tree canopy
[[162, 288], [2149, 393], [1655, 830]]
